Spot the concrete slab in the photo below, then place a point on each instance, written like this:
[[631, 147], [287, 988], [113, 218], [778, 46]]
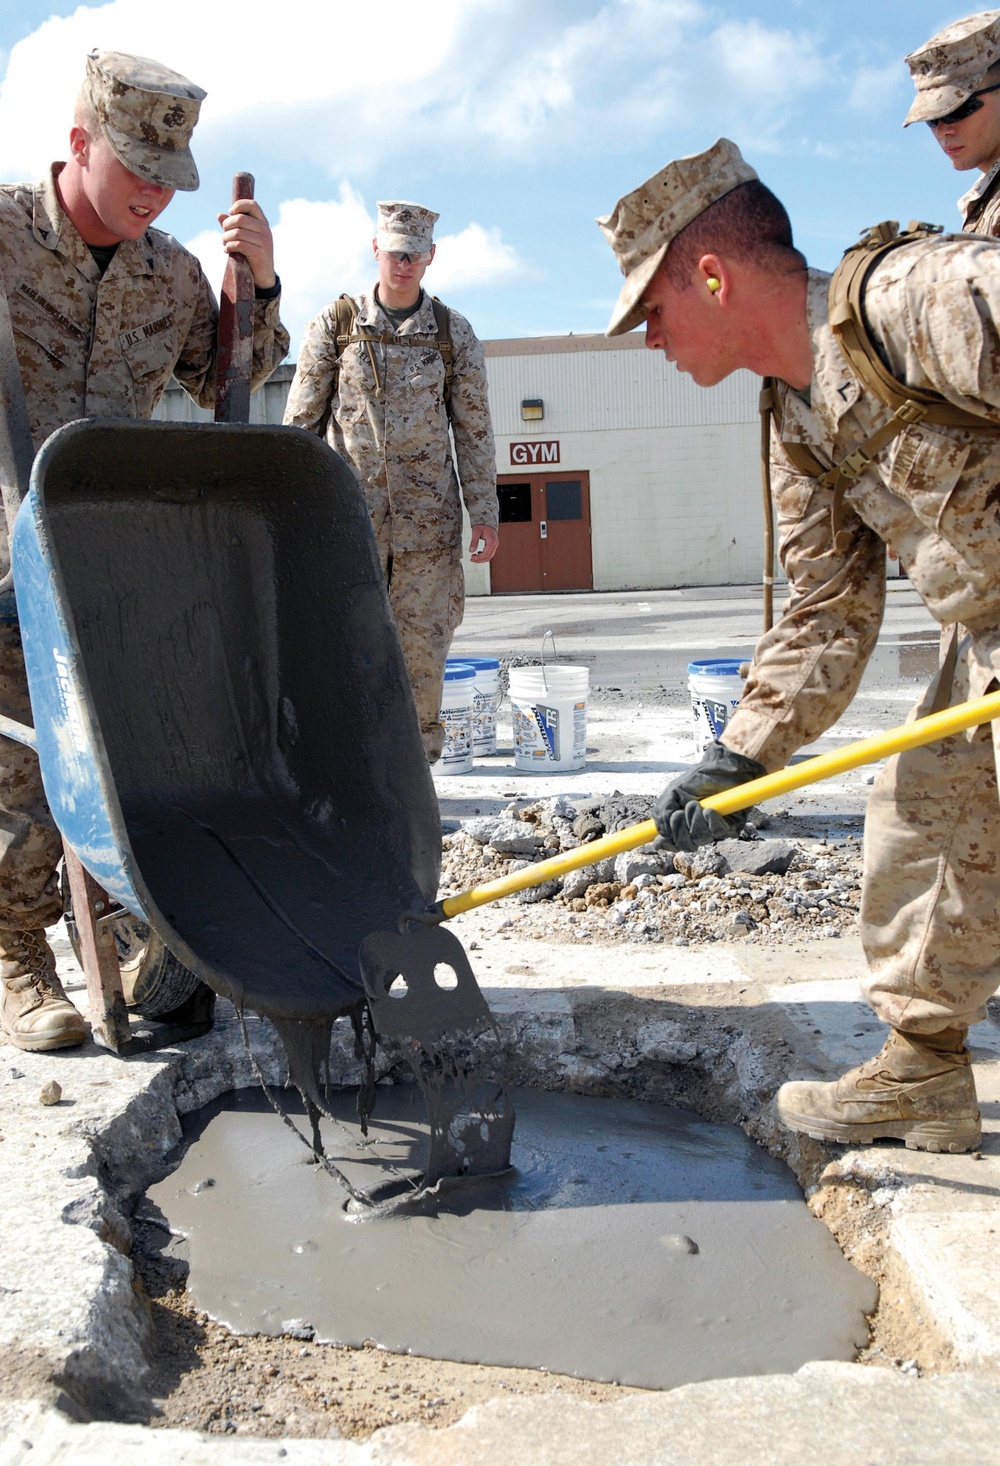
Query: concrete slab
[[843, 1414], [564, 965], [734, 1020], [954, 1259]]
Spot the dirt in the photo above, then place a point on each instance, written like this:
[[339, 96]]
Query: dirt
[[904, 1336], [204, 1378]]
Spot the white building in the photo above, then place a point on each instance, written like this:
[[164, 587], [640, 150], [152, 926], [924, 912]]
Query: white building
[[615, 471]]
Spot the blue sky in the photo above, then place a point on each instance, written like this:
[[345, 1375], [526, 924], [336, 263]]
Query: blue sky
[[517, 120]]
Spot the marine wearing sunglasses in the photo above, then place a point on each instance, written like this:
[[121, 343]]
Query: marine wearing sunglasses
[[972, 105]]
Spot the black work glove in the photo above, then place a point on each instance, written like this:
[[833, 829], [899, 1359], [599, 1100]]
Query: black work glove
[[680, 819]]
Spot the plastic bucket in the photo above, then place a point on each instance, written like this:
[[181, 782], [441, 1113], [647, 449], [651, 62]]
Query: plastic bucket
[[549, 712], [456, 715], [716, 687], [485, 703]]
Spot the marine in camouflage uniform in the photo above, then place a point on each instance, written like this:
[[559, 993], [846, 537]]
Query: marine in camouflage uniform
[[932, 835], [957, 76], [381, 399], [104, 309]]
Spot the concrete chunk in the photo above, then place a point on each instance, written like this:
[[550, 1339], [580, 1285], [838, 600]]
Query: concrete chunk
[[757, 857]]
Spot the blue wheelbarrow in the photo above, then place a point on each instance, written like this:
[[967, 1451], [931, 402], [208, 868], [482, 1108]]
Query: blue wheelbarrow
[[227, 737]]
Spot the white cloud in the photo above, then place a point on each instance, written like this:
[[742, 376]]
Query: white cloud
[[765, 63], [476, 258], [876, 89], [261, 67], [318, 84], [323, 247]]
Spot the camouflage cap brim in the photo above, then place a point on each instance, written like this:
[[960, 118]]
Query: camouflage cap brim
[[404, 244], [176, 170], [629, 312], [642, 225], [937, 102]]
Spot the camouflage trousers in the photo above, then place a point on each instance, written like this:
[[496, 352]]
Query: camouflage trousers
[[30, 847], [930, 904], [427, 596]]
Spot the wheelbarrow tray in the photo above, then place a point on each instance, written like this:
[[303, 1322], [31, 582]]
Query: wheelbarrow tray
[[225, 727]]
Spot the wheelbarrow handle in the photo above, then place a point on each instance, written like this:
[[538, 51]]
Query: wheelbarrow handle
[[234, 356], [16, 448], [810, 771], [19, 732]]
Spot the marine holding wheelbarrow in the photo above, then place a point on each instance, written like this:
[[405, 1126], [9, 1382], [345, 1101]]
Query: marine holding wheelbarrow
[[711, 268], [105, 309]]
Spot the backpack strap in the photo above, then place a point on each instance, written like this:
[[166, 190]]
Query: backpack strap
[[847, 319], [442, 319], [768, 407], [346, 317]]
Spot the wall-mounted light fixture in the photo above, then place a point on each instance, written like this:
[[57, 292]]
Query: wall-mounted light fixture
[[532, 409]]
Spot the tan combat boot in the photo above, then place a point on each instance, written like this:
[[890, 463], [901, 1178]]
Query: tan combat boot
[[919, 1089], [35, 1013]]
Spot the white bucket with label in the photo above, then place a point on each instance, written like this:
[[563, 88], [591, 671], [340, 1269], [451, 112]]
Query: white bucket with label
[[549, 712], [716, 687], [456, 715], [485, 703]]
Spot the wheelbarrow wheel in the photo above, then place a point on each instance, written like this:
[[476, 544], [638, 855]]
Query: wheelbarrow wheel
[[154, 982]]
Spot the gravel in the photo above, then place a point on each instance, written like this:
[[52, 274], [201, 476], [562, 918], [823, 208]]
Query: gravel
[[753, 889]]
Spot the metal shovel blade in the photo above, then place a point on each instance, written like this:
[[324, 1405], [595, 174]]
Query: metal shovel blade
[[424, 995]]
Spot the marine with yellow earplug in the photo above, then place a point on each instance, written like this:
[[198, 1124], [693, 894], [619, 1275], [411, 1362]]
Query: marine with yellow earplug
[[711, 268]]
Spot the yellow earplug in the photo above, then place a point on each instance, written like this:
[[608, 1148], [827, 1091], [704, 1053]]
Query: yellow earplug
[[713, 284]]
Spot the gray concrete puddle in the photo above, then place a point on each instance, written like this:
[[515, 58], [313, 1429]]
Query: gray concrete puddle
[[632, 1242]]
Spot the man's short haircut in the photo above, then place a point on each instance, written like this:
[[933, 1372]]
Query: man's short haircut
[[991, 77], [85, 114], [747, 224]]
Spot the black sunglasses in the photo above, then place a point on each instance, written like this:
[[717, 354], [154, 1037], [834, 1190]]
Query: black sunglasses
[[967, 108]]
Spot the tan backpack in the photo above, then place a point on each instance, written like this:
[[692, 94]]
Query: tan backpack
[[346, 317]]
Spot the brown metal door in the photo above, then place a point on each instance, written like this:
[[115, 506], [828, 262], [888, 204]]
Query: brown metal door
[[544, 534], [566, 563]]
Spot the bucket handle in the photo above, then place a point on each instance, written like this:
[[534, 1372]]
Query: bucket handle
[[547, 636]]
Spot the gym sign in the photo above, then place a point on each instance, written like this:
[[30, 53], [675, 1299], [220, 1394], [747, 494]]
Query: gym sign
[[523, 455]]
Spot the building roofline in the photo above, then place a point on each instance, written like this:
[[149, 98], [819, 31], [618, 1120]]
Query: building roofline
[[556, 345]]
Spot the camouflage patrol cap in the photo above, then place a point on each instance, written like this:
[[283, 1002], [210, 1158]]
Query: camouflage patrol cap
[[948, 68], [147, 113], [406, 228], [642, 224]]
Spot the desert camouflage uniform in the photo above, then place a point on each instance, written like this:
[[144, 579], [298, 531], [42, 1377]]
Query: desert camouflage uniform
[[932, 840], [88, 346], [394, 431]]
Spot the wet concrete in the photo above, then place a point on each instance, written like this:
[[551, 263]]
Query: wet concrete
[[631, 1242]]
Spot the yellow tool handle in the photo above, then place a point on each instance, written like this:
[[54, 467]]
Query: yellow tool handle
[[809, 771]]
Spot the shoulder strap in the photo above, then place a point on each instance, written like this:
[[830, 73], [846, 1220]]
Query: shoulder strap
[[346, 313], [442, 319], [907, 404], [847, 319]]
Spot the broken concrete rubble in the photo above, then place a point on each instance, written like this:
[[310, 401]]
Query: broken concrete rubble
[[761, 889]]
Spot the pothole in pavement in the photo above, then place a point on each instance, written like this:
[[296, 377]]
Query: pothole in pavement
[[636, 1242], [644, 1051]]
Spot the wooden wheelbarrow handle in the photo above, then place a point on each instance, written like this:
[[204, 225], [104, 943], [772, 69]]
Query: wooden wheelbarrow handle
[[16, 448], [234, 359]]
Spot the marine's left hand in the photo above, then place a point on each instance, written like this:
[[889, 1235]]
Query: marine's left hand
[[245, 231], [487, 539], [680, 819]]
